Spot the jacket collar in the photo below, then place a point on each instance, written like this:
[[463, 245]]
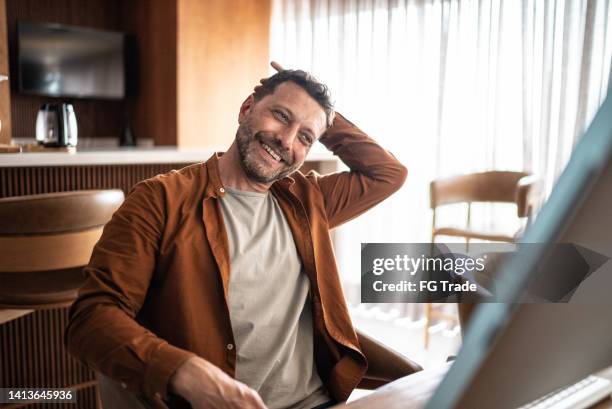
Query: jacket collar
[[214, 187]]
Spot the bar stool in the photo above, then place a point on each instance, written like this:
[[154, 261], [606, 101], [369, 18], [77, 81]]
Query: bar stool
[[45, 241]]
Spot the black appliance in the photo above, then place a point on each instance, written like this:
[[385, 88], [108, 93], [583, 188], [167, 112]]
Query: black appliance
[[66, 61]]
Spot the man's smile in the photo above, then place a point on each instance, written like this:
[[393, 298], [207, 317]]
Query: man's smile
[[276, 156]]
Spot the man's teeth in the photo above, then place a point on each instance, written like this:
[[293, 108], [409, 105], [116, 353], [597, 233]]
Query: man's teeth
[[271, 152]]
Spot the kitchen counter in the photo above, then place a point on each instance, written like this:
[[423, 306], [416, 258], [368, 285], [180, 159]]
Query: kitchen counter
[[112, 167], [128, 156]]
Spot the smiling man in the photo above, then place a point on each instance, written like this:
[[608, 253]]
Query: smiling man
[[215, 286], [278, 125]]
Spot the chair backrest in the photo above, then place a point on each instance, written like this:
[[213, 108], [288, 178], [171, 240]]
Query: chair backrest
[[53, 230], [494, 186], [46, 239], [529, 195]]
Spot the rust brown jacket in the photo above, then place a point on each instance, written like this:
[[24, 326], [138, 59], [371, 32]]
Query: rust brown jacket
[[157, 281]]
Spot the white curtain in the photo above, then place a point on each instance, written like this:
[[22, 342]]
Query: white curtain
[[450, 87]]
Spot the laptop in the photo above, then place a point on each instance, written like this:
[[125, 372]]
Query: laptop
[[515, 353]]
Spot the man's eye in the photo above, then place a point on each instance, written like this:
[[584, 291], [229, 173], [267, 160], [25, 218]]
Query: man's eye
[[281, 116], [306, 139]]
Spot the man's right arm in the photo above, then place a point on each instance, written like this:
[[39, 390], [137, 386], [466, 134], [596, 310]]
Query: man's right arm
[[104, 334], [102, 331]]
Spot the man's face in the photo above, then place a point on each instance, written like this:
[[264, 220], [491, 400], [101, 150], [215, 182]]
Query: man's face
[[276, 133]]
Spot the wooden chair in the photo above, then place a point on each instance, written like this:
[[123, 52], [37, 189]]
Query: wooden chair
[[520, 188], [45, 240]]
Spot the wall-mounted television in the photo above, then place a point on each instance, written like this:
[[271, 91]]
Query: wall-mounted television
[[66, 61]]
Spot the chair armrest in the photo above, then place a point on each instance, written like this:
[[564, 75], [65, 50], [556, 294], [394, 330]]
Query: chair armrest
[[384, 364]]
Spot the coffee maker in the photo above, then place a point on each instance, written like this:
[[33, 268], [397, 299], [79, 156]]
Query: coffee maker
[[56, 125]]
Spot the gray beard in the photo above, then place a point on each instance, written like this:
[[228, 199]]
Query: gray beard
[[245, 139]]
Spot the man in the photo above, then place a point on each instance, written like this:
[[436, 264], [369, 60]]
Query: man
[[217, 285]]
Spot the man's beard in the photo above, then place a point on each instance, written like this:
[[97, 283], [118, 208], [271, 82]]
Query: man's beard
[[254, 167]]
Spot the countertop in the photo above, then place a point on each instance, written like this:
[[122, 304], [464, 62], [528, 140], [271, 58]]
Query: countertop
[[123, 155]]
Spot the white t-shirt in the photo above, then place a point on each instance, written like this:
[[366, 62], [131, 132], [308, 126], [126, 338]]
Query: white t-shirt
[[270, 316]]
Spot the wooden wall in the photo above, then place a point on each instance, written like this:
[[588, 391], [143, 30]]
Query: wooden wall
[[152, 27], [5, 93], [222, 54], [32, 354]]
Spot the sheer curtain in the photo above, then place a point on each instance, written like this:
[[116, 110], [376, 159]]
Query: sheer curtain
[[450, 87]]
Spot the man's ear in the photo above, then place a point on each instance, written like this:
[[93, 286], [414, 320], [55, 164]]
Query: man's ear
[[245, 108]]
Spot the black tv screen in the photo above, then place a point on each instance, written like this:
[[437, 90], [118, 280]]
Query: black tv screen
[[64, 61]]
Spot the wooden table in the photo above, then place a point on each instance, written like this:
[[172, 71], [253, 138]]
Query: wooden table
[[413, 391]]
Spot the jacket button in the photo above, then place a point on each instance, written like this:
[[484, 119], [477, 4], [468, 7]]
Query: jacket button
[[230, 346], [221, 190]]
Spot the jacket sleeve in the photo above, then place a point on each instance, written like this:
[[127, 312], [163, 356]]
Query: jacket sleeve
[[102, 331], [373, 176]]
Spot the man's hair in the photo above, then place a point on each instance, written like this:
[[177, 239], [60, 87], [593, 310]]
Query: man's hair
[[317, 90]]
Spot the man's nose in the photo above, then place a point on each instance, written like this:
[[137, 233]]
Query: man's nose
[[287, 137]]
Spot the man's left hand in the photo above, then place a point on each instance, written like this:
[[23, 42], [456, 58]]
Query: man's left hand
[[262, 81]]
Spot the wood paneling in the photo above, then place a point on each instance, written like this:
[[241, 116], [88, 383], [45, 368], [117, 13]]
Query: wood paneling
[[222, 54], [21, 181], [100, 14], [33, 355], [5, 93], [96, 118], [152, 62]]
